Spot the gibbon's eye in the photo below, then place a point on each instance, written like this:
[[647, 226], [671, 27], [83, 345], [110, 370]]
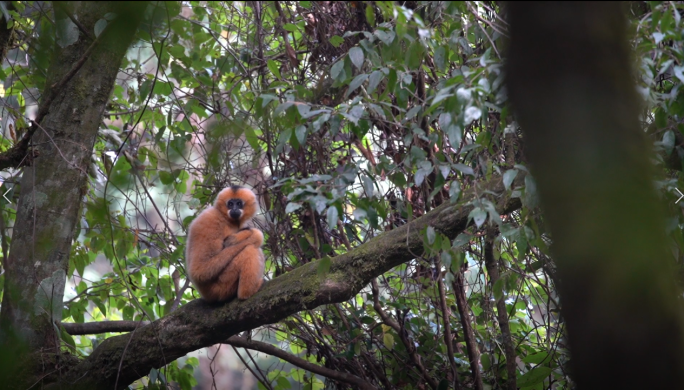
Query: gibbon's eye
[[239, 203], [230, 204]]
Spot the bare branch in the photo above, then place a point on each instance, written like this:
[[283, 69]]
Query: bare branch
[[299, 362], [102, 327]]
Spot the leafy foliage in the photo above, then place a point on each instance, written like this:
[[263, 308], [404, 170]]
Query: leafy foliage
[[349, 119]]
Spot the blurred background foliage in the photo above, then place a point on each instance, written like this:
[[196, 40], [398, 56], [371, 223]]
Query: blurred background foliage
[[348, 119]]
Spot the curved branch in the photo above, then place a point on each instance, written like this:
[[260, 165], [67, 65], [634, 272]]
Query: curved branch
[[353, 380], [199, 324]]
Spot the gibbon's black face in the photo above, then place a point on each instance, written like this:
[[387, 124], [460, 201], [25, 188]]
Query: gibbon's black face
[[235, 207], [238, 204]]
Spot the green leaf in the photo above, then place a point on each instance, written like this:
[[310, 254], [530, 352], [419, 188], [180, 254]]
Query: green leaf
[[303, 109], [356, 56], [498, 289], [374, 80], [166, 177], [368, 186], [162, 88], [358, 80], [508, 177], [292, 206], [300, 133], [453, 132], [425, 168], [283, 383], [413, 112], [370, 14], [289, 27], [465, 169], [266, 98], [446, 257], [177, 51], [536, 358], [282, 107], [323, 266], [430, 234], [385, 36], [668, 141], [534, 376], [332, 217], [100, 25], [454, 191], [274, 68], [321, 120], [414, 55], [67, 338], [336, 41], [440, 58], [478, 215], [486, 363], [531, 199], [67, 32], [388, 340], [337, 70]]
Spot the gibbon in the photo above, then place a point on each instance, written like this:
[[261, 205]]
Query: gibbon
[[224, 257]]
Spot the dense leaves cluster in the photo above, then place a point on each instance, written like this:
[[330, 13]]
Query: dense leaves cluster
[[348, 119]]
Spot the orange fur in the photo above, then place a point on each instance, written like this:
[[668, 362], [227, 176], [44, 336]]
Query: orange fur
[[224, 257]]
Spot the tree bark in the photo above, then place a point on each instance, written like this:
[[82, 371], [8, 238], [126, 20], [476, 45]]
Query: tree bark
[[501, 313], [120, 360], [80, 79], [570, 83], [468, 333]]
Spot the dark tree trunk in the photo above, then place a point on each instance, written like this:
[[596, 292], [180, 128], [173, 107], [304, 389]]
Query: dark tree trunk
[[571, 85], [80, 79]]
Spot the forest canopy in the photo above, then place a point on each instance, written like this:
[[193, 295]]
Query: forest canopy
[[466, 195]]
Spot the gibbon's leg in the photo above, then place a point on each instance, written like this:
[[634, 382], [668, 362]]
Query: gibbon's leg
[[251, 264], [207, 270], [225, 287], [243, 276]]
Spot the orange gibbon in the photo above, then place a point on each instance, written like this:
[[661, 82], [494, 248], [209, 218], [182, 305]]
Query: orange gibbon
[[224, 257]]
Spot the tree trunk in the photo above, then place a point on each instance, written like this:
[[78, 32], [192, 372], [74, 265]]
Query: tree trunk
[[80, 79], [571, 85]]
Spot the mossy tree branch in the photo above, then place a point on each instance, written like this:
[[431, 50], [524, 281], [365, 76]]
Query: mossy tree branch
[[120, 360]]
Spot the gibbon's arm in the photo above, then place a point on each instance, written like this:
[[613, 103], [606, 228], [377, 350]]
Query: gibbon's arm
[[256, 238], [207, 269]]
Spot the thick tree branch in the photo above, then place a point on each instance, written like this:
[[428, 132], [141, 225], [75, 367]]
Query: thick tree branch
[[199, 324], [102, 327], [353, 380]]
